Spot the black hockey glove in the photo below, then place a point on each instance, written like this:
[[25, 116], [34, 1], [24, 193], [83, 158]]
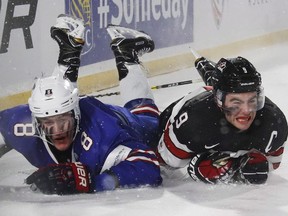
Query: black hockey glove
[[205, 68], [254, 168], [213, 167], [62, 179]]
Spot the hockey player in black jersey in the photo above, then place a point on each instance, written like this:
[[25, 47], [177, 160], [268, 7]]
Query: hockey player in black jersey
[[231, 133]]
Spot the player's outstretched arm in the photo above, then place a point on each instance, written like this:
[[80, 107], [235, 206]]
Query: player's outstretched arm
[[138, 168]]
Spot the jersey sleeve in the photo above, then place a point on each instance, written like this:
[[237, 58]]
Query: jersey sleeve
[[18, 132], [278, 137], [172, 150], [129, 165], [15, 124], [115, 155], [275, 157]]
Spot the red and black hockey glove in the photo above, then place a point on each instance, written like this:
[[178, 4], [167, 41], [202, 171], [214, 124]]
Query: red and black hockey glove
[[251, 168], [213, 167], [254, 168], [62, 179]]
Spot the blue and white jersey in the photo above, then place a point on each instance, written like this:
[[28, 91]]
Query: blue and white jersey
[[110, 139]]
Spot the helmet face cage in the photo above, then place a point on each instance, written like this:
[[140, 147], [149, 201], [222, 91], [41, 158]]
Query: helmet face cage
[[53, 96], [220, 97], [46, 134], [236, 75]]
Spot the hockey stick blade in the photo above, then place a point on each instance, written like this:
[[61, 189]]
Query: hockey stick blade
[[4, 148]]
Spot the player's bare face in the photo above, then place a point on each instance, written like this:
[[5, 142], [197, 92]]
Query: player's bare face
[[59, 130], [240, 109]]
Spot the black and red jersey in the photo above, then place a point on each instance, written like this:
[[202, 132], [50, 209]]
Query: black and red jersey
[[195, 124]]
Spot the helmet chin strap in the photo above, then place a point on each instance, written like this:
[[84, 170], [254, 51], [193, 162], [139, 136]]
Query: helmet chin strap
[[76, 127], [47, 143], [220, 98], [45, 139]]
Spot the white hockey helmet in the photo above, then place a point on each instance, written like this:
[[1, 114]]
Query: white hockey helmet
[[54, 96]]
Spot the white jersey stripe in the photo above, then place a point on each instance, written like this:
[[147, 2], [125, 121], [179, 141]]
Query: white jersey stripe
[[143, 158], [145, 108], [274, 160], [144, 151], [168, 157]]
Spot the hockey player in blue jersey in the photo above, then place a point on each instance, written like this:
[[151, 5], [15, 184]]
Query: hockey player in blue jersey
[[80, 144]]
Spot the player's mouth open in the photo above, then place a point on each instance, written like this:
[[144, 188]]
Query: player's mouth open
[[243, 119], [60, 137]]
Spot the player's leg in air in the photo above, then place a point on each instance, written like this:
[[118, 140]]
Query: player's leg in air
[[128, 45], [68, 32]]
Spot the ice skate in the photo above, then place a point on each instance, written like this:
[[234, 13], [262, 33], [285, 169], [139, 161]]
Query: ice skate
[[72, 27], [68, 32], [128, 44]]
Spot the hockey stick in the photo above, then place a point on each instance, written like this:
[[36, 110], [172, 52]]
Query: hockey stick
[[195, 53], [196, 56], [168, 85], [4, 148]]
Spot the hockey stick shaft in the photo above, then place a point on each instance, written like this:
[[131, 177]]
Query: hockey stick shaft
[[4, 148], [168, 85], [195, 53]]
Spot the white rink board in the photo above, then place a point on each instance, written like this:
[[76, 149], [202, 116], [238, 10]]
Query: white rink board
[[215, 23]]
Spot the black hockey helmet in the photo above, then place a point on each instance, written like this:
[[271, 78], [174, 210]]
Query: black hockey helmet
[[236, 75]]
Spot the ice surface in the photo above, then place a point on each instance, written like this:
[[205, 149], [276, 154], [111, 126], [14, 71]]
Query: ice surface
[[176, 196]]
